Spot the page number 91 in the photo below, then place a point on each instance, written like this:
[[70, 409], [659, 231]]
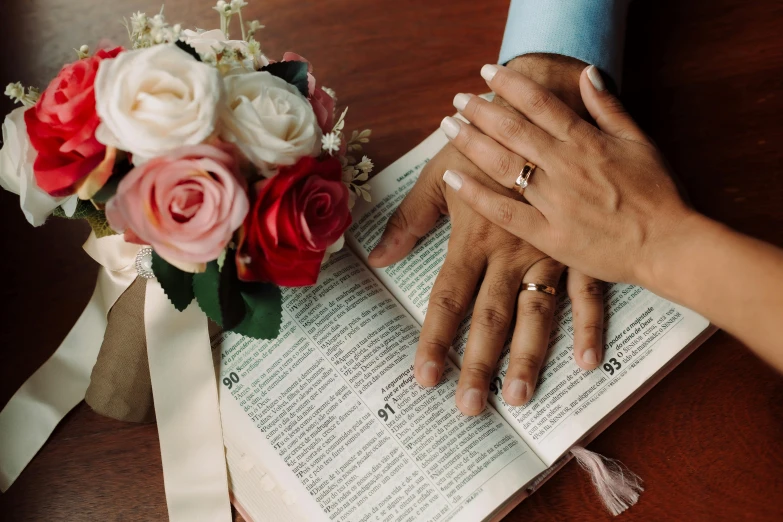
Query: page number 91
[[383, 414]]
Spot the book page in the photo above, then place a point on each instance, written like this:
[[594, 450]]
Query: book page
[[643, 331], [334, 397]]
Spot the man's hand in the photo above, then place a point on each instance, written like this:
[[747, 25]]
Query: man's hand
[[482, 254]]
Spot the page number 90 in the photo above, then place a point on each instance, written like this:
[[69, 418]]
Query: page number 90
[[231, 380]]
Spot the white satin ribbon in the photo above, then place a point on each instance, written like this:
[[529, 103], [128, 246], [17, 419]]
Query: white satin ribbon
[[184, 390]]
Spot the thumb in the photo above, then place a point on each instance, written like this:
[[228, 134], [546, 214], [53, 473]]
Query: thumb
[[415, 216], [607, 111]]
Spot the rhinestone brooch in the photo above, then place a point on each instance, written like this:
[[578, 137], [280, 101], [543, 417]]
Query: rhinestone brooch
[[144, 263]]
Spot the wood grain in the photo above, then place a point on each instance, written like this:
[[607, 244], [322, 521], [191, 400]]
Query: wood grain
[[702, 77]]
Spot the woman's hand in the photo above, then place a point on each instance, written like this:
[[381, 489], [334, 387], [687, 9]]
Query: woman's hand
[[601, 201]]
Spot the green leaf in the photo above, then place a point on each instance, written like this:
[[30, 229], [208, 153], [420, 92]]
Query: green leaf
[[250, 309], [87, 211], [121, 168], [232, 306], [188, 49], [294, 73], [177, 284], [206, 289], [264, 303], [100, 225]]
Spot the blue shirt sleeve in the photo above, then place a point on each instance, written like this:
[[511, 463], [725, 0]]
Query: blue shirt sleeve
[[592, 31]]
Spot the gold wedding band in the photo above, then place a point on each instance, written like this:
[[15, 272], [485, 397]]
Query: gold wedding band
[[545, 289], [523, 180]]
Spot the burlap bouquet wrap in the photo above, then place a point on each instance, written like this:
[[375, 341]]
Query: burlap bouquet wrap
[[120, 385]]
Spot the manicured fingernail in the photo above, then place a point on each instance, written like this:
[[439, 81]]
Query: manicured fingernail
[[489, 71], [595, 78], [473, 400], [461, 101], [452, 179], [517, 390], [450, 126], [590, 357], [430, 372]]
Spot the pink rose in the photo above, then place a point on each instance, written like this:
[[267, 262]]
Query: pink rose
[[322, 103], [185, 204]]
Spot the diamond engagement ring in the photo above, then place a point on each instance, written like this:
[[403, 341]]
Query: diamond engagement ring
[[523, 180]]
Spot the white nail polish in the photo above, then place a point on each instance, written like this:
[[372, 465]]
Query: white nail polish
[[595, 78], [452, 179], [461, 101], [450, 127], [489, 71]]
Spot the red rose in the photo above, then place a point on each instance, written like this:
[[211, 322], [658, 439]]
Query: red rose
[[62, 127], [296, 216]]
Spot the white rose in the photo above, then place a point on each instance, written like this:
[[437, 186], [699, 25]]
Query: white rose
[[269, 120], [16, 172], [154, 100], [208, 43]]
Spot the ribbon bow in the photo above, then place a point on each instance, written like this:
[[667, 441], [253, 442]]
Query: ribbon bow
[[184, 389]]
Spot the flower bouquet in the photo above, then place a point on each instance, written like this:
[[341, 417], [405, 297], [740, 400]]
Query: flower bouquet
[[233, 168], [210, 175]]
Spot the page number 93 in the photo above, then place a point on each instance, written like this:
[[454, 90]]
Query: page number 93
[[612, 366]]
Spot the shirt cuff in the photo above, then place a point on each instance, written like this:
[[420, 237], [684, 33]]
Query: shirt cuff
[[592, 31]]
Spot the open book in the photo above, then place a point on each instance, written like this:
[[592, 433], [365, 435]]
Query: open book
[[327, 422]]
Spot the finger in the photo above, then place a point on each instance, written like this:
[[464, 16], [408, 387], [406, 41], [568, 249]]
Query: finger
[[489, 326], [607, 111], [507, 127], [450, 300], [535, 101], [587, 309], [494, 159], [415, 216], [523, 220], [529, 343]]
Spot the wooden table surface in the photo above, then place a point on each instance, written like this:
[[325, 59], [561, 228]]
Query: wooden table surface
[[704, 78]]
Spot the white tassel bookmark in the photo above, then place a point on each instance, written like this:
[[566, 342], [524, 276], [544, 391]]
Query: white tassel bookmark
[[618, 487]]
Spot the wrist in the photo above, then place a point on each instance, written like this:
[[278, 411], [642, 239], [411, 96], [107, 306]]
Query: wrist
[[668, 264], [560, 74]]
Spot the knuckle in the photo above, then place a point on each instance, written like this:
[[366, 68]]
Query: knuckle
[[512, 128], [552, 270], [526, 361], [536, 306], [478, 369], [473, 110], [539, 101], [505, 213], [491, 319], [592, 291], [598, 146], [449, 302], [434, 344], [612, 105], [502, 165], [593, 327], [398, 219]]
